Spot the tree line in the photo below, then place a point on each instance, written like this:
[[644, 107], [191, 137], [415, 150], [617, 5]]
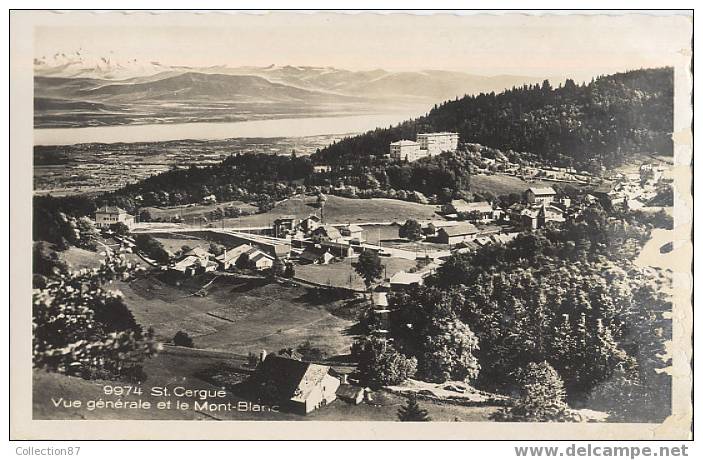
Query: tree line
[[605, 120]]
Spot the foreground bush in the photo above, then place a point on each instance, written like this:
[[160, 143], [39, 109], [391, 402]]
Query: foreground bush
[[380, 364], [80, 328], [542, 397]]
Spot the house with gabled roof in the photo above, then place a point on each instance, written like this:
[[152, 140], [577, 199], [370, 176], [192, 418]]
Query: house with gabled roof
[[327, 233], [229, 257], [313, 255], [297, 386], [195, 262], [454, 234], [106, 216], [353, 233], [540, 195], [403, 280], [537, 216], [310, 223], [284, 225]]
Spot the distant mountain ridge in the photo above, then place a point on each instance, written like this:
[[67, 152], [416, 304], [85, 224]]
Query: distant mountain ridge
[[74, 90], [199, 86], [428, 85]]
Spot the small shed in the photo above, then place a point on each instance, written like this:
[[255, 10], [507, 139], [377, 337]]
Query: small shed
[[351, 393]]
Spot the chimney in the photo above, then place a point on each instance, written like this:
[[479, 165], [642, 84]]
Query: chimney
[[262, 356], [343, 379]]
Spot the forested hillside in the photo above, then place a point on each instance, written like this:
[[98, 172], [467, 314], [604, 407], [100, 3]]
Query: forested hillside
[[605, 120]]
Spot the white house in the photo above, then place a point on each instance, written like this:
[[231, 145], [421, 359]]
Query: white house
[[540, 195], [403, 280], [318, 256], [111, 215], [321, 169], [297, 386], [194, 262], [228, 258], [260, 260], [480, 211], [353, 233]]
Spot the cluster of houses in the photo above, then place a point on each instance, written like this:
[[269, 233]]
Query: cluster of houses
[[426, 145], [632, 190], [197, 261], [539, 206], [316, 243]]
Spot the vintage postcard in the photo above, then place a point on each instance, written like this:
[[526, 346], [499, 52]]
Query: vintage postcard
[[345, 221]]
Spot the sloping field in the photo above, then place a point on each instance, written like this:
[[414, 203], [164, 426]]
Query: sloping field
[[237, 315], [340, 210], [190, 212]]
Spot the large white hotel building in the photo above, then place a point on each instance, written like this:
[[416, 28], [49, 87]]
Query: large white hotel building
[[427, 145]]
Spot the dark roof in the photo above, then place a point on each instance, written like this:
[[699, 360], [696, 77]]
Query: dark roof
[[349, 391], [312, 254], [290, 378], [111, 210]]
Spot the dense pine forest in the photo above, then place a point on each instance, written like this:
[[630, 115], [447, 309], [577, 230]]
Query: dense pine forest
[[604, 120]]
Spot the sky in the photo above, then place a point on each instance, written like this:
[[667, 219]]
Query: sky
[[577, 46]]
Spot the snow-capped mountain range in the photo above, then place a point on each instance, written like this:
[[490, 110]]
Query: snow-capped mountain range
[[77, 88]]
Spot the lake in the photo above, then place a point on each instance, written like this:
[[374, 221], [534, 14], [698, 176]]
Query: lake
[[284, 127]]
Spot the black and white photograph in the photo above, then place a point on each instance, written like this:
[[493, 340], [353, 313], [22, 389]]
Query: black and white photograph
[[475, 218]]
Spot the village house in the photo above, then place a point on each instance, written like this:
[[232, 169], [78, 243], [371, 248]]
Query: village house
[[298, 386], [259, 260], [255, 259], [537, 216], [321, 169], [457, 233], [565, 201], [284, 225], [634, 205], [609, 197], [651, 172], [353, 233], [318, 256], [111, 215], [351, 394], [481, 211], [338, 249], [227, 259], [379, 299], [209, 199], [403, 280], [540, 195], [327, 233], [195, 262], [310, 223]]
